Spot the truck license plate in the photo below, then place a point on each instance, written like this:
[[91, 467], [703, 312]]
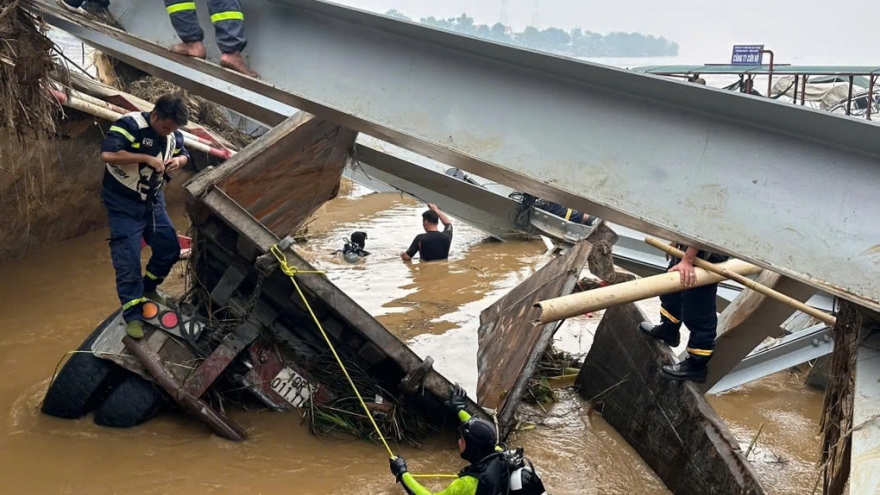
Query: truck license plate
[[292, 387]]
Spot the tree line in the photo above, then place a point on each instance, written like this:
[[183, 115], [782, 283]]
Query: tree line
[[574, 43]]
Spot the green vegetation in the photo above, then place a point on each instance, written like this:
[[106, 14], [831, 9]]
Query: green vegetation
[[575, 43]]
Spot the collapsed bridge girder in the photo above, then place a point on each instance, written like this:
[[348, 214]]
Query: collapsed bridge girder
[[766, 182]]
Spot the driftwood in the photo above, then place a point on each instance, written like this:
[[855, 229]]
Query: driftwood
[[668, 423]]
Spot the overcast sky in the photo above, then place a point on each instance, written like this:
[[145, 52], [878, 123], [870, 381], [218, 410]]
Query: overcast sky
[[800, 31]]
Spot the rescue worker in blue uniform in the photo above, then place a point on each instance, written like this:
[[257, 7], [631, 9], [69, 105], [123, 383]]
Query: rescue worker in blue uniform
[[226, 16], [139, 150], [488, 472], [228, 21], [697, 309]]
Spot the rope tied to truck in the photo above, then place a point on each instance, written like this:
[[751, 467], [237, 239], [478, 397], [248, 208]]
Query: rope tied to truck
[[292, 271]]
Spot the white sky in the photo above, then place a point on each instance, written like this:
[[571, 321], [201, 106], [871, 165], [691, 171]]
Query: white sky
[[803, 31]]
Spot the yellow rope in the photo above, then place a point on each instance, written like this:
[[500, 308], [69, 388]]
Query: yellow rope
[[292, 271]]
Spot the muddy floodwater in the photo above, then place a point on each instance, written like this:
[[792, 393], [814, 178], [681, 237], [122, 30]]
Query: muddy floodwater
[[50, 301]]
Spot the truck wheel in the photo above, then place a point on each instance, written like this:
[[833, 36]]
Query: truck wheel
[[132, 402], [83, 382]]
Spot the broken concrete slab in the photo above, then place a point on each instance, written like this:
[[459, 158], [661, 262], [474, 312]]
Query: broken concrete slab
[[511, 341], [669, 423]]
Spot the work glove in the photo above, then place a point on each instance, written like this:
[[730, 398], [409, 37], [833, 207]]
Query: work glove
[[457, 400], [398, 467]]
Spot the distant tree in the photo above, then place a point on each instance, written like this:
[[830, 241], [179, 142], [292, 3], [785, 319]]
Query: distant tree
[[530, 37], [397, 14], [554, 39], [499, 32], [576, 43]]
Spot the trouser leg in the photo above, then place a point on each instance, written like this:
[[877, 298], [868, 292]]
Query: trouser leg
[[671, 309], [127, 220], [162, 239], [701, 317], [228, 20], [185, 20]]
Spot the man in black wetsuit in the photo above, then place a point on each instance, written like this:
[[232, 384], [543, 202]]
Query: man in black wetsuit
[[433, 244]]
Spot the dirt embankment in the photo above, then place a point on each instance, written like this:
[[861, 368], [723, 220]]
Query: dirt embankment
[[50, 189]]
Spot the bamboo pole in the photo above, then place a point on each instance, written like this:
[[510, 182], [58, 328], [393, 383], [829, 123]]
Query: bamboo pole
[[751, 284], [105, 111], [644, 288]]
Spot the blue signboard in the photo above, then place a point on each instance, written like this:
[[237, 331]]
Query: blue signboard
[[747, 55]]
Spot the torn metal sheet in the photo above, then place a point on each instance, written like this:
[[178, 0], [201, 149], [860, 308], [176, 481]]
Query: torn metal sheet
[[510, 340], [668, 423], [260, 181]]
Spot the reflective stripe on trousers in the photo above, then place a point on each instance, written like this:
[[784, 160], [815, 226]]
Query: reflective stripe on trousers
[[226, 15], [697, 309], [130, 220]]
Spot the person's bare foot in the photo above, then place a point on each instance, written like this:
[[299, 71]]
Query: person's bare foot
[[196, 49], [235, 61]]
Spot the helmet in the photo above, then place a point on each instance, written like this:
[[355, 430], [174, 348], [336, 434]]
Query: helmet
[[359, 238], [479, 437]]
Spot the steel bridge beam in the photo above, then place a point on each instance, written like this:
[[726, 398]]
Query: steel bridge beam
[[792, 350], [761, 180], [492, 215]]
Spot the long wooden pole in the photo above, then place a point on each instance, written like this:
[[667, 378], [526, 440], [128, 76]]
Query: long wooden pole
[[644, 288], [751, 284]]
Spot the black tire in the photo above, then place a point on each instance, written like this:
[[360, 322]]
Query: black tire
[[83, 382], [132, 402]]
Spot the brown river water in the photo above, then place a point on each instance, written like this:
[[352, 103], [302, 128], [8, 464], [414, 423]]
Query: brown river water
[[50, 301]]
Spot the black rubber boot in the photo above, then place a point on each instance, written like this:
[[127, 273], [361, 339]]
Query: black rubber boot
[[661, 332], [689, 369]]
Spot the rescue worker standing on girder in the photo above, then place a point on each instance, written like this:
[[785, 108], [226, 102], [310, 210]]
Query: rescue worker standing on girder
[[139, 150], [489, 472], [226, 16], [696, 308], [228, 21]]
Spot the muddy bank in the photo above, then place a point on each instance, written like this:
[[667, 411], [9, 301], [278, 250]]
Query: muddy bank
[[50, 190]]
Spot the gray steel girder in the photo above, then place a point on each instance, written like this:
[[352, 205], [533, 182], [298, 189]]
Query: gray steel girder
[[792, 350], [482, 209], [788, 188]]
